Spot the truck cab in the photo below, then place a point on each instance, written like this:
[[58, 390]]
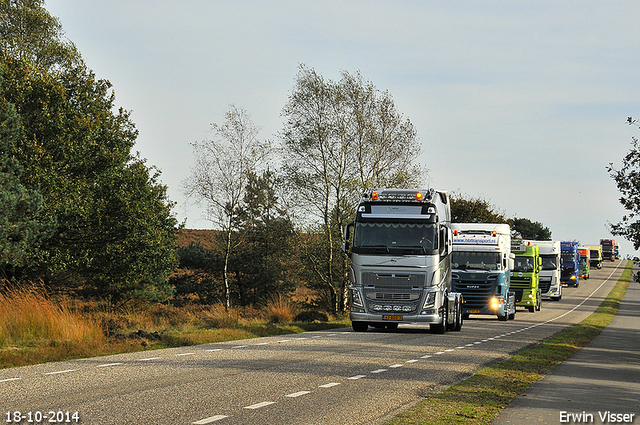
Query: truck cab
[[525, 276], [400, 245], [570, 264], [595, 256], [584, 262], [481, 265], [550, 285]]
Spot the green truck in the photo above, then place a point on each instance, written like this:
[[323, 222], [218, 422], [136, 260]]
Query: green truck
[[525, 275]]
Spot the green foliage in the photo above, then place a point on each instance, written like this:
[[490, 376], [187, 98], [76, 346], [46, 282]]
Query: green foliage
[[111, 229], [523, 228], [627, 180], [465, 209], [29, 32]]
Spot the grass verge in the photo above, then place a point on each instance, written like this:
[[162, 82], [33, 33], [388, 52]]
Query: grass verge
[[479, 399]]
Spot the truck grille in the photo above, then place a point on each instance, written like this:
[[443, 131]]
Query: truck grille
[[545, 284], [393, 290], [476, 293]]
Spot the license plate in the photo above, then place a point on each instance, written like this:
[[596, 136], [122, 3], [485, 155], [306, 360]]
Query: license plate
[[391, 317], [473, 311]]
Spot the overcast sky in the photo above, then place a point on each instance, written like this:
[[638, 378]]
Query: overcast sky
[[523, 103]]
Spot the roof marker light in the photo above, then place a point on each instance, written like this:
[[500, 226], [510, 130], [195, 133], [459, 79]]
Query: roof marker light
[[374, 196], [494, 233], [419, 196]]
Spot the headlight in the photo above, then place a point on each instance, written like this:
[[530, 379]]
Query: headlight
[[430, 300], [356, 301]]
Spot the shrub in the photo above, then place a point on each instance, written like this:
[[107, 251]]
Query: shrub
[[311, 316]]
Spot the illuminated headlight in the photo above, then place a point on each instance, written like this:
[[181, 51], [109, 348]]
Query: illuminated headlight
[[495, 302], [529, 295], [573, 277], [430, 300], [356, 301]]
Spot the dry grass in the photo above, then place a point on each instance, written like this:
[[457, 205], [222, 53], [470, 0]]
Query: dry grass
[[280, 310]]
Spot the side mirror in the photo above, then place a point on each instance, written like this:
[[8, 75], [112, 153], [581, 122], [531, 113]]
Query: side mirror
[[346, 244]]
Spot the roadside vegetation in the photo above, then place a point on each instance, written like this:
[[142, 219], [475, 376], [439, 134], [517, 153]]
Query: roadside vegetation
[[37, 328], [479, 399]]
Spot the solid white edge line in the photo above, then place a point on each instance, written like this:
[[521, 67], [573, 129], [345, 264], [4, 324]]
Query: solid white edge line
[[209, 420]]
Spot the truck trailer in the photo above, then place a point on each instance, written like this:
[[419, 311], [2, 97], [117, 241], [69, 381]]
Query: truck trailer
[[550, 285], [525, 276], [481, 265], [400, 245]]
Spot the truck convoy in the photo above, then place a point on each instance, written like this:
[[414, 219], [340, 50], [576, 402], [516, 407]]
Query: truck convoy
[[570, 263], [584, 262], [608, 249], [481, 265], [525, 275], [550, 285], [595, 256], [400, 245]]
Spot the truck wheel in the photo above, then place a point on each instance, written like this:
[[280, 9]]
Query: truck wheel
[[359, 326], [512, 315], [441, 327], [459, 318], [503, 318], [530, 308]]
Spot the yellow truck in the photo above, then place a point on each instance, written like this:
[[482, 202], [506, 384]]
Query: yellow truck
[[595, 255]]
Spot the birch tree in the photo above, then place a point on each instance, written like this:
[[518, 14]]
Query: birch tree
[[223, 166]]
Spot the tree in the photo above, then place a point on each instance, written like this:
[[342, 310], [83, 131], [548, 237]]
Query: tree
[[219, 178], [113, 233], [340, 138], [523, 228], [465, 209], [627, 180], [29, 32]]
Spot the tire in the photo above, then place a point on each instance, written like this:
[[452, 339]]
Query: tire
[[503, 318], [441, 327], [531, 309], [459, 319], [538, 303], [512, 315], [359, 326]]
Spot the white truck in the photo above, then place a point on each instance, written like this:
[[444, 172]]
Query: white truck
[[550, 285], [400, 246], [481, 266]]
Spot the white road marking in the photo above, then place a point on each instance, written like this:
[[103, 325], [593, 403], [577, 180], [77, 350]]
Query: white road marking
[[150, 358], [329, 385], [450, 349], [215, 349], [459, 348], [357, 377], [262, 343], [298, 394], [395, 365], [60, 371], [439, 352], [259, 405], [209, 420], [378, 370], [426, 357], [10, 379], [184, 354], [285, 340], [414, 360], [108, 364], [240, 346]]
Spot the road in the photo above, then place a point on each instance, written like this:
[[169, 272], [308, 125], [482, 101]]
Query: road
[[328, 377]]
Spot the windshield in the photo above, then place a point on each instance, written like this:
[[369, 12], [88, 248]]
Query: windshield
[[549, 262], [523, 264], [465, 260], [568, 257], [385, 236]]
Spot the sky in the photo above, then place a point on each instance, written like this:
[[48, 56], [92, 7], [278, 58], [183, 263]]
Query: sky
[[521, 103]]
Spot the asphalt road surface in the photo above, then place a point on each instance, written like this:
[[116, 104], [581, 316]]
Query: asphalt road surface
[[327, 377]]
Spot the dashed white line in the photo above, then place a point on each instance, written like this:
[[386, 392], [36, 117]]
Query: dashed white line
[[284, 340], [108, 364], [215, 349], [378, 370], [460, 348], [149, 358], [450, 349], [439, 352], [240, 346], [10, 379], [411, 361], [329, 385], [426, 357], [298, 394], [185, 354], [395, 366], [259, 405], [357, 377], [60, 371], [262, 343], [209, 420]]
